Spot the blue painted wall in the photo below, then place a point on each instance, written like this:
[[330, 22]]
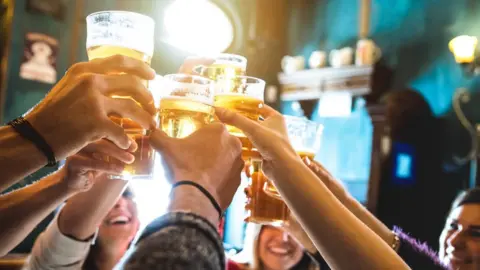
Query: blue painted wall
[[413, 36]]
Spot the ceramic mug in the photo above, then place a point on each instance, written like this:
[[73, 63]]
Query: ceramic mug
[[367, 52], [292, 63], [317, 59], [342, 57]]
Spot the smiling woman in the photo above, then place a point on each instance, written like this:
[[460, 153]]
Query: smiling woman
[[271, 248], [198, 27], [460, 239]]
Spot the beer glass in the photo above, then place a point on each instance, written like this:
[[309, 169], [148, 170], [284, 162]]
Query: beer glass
[[186, 104], [244, 95], [225, 65], [265, 206], [305, 137], [126, 33], [262, 208]]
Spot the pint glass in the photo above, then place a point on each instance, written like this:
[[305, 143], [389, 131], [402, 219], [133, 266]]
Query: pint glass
[[130, 34]]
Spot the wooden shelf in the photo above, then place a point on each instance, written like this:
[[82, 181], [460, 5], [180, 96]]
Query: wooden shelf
[[311, 84]]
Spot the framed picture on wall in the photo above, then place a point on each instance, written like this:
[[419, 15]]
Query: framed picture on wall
[[54, 8], [39, 61]]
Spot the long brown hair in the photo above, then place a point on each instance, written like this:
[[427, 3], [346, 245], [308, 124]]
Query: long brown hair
[[249, 258]]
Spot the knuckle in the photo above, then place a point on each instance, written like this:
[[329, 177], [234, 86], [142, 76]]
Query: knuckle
[[77, 68], [119, 59], [91, 81]]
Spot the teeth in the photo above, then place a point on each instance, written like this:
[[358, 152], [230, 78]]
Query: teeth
[[281, 251], [119, 219]]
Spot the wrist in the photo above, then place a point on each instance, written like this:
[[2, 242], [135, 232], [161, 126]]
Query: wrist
[[282, 165], [47, 132], [201, 178], [187, 198], [63, 185]]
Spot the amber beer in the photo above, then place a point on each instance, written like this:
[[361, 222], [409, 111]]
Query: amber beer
[[130, 34], [222, 70], [244, 96], [269, 187], [186, 104], [225, 65], [144, 156], [180, 117], [104, 51], [262, 208]]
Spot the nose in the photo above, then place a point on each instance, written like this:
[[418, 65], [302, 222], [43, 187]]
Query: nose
[[121, 203], [285, 237], [457, 240]]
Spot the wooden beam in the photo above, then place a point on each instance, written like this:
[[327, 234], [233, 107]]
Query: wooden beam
[[7, 19], [364, 18], [77, 24]]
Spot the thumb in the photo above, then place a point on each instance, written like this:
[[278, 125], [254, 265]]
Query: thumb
[[159, 139], [248, 126]]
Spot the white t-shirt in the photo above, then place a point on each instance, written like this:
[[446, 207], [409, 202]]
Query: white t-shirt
[[53, 250]]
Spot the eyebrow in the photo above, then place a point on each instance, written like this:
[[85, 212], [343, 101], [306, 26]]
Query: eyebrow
[[472, 227]]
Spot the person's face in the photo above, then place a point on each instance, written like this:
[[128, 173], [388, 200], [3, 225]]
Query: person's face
[[121, 223], [277, 249], [460, 239]]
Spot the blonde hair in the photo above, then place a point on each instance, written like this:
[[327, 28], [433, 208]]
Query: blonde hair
[[249, 257]]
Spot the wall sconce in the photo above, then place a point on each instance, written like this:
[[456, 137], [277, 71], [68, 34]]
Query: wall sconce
[[464, 48]]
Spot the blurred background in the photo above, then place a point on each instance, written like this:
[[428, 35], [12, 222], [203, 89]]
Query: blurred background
[[400, 132]]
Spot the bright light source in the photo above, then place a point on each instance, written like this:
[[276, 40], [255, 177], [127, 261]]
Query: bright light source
[[198, 27], [463, 48]]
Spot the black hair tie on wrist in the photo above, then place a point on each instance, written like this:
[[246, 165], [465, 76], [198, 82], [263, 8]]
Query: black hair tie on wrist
[[204, 191], [26, 130]]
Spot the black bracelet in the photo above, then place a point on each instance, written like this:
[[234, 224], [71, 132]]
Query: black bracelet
[[26, 130], [204, 191]]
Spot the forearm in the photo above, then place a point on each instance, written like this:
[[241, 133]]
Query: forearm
[[22, 210], [83, 213], [369, 219], [361, 245], [18, 157], [190, 199]]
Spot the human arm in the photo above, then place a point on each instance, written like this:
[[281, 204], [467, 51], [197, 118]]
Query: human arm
[[351, 203], [18, 157], [23, 209], [75, 113], [186, 237], [347, 236]]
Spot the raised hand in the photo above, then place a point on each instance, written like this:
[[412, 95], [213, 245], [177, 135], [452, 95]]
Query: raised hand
[[81, 170], [210, 156], [270, 136], [76, 111]]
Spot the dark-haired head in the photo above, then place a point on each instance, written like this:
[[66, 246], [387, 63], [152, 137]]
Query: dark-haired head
[[116, 232], [460, 239]]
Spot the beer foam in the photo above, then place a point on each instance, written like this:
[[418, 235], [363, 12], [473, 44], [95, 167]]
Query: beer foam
[[121, 28], [230, 63], [189, 98]]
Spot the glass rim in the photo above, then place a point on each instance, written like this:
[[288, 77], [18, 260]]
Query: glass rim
[[91, 15], [302, 118], [183, 75], [240, 77], [242, 58]]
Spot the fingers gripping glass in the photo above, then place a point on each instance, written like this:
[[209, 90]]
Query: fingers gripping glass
[[130, 34], [305, 137]]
